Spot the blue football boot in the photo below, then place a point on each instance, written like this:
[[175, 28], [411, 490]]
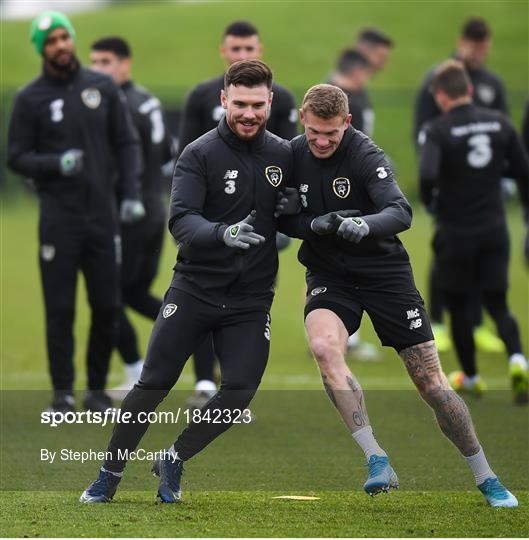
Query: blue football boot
[[497, 494], [381, 477], [170, 474], [102, 490]]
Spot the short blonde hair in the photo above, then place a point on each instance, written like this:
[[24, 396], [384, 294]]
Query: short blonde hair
[[326, 101]]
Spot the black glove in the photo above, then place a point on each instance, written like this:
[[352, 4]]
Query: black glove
[[352, 229], [288, 202], [71, 162], [526, 247], [329, 223], [241, 235]]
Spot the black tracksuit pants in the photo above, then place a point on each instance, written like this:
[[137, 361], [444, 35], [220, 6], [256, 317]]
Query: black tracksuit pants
[[241, 339], [141, 248], [68, 246]]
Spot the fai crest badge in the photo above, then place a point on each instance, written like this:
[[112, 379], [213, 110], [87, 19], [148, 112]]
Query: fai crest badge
[[274, 175], [169, 310], [485, 93], [341, 187], [91, 97]]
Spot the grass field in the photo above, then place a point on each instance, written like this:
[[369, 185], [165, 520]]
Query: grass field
[[298, 444]]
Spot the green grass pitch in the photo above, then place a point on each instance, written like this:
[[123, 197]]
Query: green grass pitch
[[298, 444]]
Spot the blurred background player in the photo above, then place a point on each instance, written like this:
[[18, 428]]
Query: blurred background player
[[66, 128], [141, 242], [525, 139], [462, 159], [202, 113], [472, 49], [351, 75], [376, 46]]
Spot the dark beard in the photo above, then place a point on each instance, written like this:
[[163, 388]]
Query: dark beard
[[64, 68]]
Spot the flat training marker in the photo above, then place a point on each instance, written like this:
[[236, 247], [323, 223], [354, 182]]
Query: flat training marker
[[297, 498]]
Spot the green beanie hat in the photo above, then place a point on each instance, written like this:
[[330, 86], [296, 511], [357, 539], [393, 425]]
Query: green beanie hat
[[44, 23]]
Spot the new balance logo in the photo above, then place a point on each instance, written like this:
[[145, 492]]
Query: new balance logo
[[231, 175], [412, 313], [416, 323]]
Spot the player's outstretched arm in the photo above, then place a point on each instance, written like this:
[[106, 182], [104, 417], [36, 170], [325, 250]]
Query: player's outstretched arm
[[393, 212]]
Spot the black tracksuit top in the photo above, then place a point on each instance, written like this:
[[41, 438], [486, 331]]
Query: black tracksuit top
[[218, 180], [356, 177], [86, 111], [462, 160]]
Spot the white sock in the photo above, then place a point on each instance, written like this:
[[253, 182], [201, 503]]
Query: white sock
[[480, 467], [367, 442], [518, 358], [172, 452], [469, 382], [208, 387], [133, 371]]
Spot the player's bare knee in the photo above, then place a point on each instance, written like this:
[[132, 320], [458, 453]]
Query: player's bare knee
[[326, 350], [433, 387]]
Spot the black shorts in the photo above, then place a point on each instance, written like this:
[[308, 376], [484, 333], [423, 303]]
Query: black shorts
[[465, 262], [393, 304]]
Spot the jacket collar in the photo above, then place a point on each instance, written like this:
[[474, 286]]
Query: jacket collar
[[232, 140]]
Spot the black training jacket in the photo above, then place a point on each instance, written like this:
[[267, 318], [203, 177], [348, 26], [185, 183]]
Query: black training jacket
[[489, 92], [462, 159], [203, 111], [86, 111], [356, 177], [218, 180], [147, 117]]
